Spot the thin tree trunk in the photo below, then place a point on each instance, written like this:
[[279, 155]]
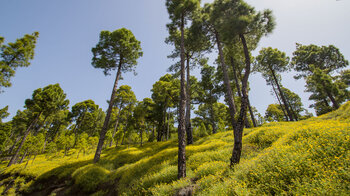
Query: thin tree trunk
[[115, 127], [228, 92], [141, 132], [182, 124], [212, 119], [108, 115], [164, 130], [188, 104], [27, 161], [330, 96], [240, 95], [282, 96], [24, 155], [14, 145], [46, 138], [26, 133], [168, 126], [76, 131], [292, 110], [279, 101], [41, 126], [238, 132], [34, 157], [251, 113]]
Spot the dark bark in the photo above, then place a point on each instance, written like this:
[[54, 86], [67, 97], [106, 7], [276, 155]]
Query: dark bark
[[164, 130], [331, 97], [182, 124], [247, 125], [279, 101], [293, 111], [27, 161], [212, 119], [290, 115], [108, 115], [24, 155], [36, 154], [228, 92], [26, 133], [238, 132], [188, 104], [168, 126], [14, 145]]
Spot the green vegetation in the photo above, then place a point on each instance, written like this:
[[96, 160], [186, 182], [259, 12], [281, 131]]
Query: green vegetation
[[47, 149], [310, 156]]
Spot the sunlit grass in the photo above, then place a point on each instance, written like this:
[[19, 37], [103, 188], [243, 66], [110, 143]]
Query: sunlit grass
[[292, 158]]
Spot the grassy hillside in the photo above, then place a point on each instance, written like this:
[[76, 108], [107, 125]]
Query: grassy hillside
[[307, 157]]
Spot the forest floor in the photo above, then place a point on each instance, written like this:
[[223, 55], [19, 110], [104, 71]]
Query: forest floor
[[291, 158]]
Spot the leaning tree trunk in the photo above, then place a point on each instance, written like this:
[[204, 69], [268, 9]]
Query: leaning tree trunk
[[26, 133], [188, 104], [238, 132], [279, 101], [24, 155], [290, 115], [182, 124], [240, 95], [108, 115], [14, 145], [228, 92]]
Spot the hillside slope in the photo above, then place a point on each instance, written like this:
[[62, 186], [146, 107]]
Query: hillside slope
[[307, 157]]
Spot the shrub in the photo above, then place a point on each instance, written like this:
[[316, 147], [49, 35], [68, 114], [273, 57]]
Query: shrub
[[89, 177]]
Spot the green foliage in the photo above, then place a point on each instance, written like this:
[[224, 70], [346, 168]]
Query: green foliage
[[119, 47], [326, 58], [89, 177], [310, 156], [14, 55], [274, 113]]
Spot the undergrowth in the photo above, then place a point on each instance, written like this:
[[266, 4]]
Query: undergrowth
[[291, 158]]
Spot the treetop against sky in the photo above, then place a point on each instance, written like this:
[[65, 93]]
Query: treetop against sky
[[69, 29]]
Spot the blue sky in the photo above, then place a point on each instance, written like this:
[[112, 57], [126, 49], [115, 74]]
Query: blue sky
[[69, 29]]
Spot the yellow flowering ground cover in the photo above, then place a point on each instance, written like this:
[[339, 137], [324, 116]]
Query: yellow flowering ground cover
[[310, 157]]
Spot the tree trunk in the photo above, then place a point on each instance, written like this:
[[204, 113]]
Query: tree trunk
[[27, 161], [34, 157], [46, 138], [41, 126], [228, 92], [14, 145], [188, 104], [238, 132], [168, 125], [279, 101], [24, 155], [212, 119], [292, 110], [141, 131], [26, 133], [164, 130], [108, 115], [182, 124], [76, 131], [330, 96], [290, 115], [115, 127], [240, 95]]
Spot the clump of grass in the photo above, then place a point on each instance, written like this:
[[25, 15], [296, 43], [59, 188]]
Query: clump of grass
[[89, 177]]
